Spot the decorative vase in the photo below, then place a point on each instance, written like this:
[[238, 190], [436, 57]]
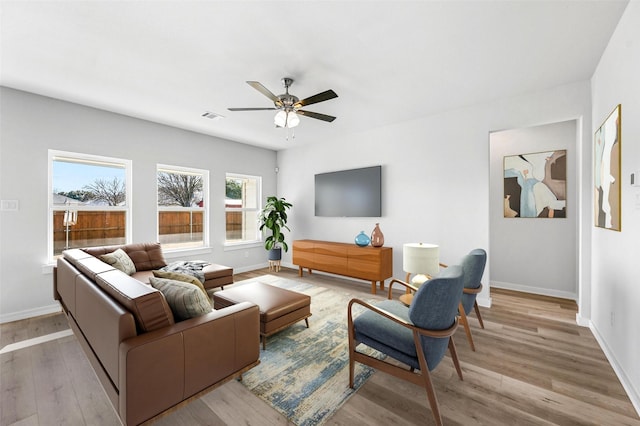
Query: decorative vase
[[275, 254], [377, 237], [362, 240]]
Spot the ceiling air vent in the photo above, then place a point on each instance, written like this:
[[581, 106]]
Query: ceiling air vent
[[212, 115]]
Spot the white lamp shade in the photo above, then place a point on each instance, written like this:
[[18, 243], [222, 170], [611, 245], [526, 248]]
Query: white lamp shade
[[280, 119], [420, 258], [286, 119], [293, 120]]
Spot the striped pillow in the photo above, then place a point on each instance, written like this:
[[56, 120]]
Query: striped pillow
[[185, 299]]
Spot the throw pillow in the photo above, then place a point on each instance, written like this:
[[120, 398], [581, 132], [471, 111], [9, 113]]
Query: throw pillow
[[185, 300], [119, 259], [177, 276]]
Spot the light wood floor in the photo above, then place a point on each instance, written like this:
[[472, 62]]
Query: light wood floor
[[533, 366]]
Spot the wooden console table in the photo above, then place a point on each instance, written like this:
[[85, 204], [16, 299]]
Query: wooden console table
[[369, 263]]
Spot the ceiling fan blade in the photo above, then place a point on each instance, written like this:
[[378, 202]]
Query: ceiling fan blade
[[320, 97], [252, 109], [260, 88], [316, 115]]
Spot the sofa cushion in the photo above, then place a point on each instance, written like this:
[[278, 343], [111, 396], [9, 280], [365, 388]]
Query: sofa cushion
[[146, 256], [185, 299], [119, 259], [148, 305], [177, 276]]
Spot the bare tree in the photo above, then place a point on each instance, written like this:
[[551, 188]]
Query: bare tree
[[175, 189], [112, 192]]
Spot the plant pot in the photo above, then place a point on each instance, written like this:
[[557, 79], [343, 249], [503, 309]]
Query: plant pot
[[275, 254]]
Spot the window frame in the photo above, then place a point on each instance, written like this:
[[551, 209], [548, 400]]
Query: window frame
[[257, 241], [54, 155], [204, 209]]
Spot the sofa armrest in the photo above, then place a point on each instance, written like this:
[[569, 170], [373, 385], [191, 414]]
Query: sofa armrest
[[161, 368]]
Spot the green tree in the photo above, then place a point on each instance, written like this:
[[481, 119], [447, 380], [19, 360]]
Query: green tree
[[233, 190]]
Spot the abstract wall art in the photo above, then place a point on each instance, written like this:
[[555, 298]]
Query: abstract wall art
[[535, 185], [606, 173]]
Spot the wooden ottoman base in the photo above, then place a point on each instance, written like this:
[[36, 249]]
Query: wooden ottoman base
[[279, 307]]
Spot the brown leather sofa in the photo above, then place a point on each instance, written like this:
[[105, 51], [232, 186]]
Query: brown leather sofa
[[148, 256], [145, 360]]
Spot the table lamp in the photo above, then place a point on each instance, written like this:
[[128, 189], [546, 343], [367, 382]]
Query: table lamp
[[420, 259]]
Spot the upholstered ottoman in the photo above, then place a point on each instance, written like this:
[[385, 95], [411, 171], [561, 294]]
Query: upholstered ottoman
[[279, 307], [217, 276]]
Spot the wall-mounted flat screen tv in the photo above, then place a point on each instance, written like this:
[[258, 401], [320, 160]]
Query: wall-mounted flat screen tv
[[349, 193]]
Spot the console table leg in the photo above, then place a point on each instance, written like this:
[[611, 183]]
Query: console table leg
[[382, 285], [300, 271], [373, 287]]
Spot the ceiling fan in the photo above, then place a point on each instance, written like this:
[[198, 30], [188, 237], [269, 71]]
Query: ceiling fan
[[288, 106]]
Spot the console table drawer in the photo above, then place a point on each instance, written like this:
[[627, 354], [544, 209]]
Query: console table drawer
[[364, 270], [327, 249], [333, 264]]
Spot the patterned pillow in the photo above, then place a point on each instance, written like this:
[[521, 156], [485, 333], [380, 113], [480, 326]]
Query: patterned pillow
[[177, 276], [119, 259], [185, 299]]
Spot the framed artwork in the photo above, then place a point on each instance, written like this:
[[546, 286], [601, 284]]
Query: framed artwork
[[535, 185], [606, 173]]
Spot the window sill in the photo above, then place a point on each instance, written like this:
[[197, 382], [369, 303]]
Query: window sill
[[242, 246], [47, 268], [172, 254]]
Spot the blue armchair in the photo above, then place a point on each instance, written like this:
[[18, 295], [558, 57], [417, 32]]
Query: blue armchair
[[473, 266], [418, 335]]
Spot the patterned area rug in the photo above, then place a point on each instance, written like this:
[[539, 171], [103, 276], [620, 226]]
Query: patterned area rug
[[304, 372]]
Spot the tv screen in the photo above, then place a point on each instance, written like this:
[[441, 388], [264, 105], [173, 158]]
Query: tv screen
[[349, 193]]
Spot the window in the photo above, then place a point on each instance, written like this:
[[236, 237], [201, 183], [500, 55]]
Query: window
[[182, 207], [89, 201], [241, 208]]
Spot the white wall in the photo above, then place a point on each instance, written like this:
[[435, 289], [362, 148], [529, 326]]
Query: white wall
[[435, 174], [31, 124], [616, 289], [523, 248]]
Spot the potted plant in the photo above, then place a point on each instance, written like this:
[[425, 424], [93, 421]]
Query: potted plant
[[274, 217]]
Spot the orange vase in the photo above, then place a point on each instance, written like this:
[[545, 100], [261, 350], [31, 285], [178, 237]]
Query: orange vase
[[377, 238]]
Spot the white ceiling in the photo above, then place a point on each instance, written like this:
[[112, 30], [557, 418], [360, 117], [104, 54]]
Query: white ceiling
[[388, 61]]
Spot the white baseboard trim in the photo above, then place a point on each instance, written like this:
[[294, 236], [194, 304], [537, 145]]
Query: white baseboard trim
[[632, 393], [582, 321], [535, 290], [251, 267], [485, 302], [30, 313]]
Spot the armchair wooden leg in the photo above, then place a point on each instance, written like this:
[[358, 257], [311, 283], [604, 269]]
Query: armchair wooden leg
[[477, 309], [467, 329], [454, 357], [428, 384], [352, 349]]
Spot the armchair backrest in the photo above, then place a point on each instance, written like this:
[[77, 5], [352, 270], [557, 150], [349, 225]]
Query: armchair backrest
[[473, 265], [434, 307]]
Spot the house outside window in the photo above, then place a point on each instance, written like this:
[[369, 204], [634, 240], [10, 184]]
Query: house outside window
[[182, 207], [89, 201], [242, 204]]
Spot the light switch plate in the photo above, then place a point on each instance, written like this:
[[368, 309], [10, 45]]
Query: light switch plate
[[9, 205]]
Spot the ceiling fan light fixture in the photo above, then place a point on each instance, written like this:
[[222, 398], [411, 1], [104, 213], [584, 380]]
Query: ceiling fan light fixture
[[287, 119]]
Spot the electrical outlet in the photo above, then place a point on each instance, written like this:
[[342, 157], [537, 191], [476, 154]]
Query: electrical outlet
[[246, 254], [9, 205], [613, 319]]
